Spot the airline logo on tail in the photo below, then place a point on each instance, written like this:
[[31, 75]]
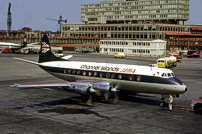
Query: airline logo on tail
[[45, 47]]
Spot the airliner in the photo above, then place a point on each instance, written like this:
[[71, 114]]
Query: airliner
[[94, 78], [13, 46]]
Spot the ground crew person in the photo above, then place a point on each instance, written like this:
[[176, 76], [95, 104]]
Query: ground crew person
[[170, 102]]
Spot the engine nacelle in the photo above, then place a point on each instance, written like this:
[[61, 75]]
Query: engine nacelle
[[81, 88], [102, 87]]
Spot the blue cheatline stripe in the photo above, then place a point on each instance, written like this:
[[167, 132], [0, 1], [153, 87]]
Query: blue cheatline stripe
[[115, 75]]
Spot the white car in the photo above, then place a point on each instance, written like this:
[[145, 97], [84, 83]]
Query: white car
[[119, 55]]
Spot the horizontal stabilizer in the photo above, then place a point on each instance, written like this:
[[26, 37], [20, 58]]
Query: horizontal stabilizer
[[67, 57], [33, 44], [62, 84], [32, 62]]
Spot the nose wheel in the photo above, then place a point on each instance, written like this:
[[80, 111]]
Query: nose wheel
[[162, 102]]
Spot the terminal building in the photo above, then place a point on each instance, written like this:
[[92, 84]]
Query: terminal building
[[133, 47], [137, 19]]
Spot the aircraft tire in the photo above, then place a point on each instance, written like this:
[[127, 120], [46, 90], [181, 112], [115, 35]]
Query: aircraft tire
[[198, 109], [162, 104]]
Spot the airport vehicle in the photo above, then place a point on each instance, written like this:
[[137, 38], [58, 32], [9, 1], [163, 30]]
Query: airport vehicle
[[196, 105], [193, 54], [92, 78], [13, 46], [90, 49], [58, 51], [84, 49], [190, 53], [78, 49], [167, 62], [179, 58], [119, 55]]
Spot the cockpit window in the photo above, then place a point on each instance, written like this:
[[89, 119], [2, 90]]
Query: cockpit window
[[162, 61], [173, 74], [167, 75], [164, 75]]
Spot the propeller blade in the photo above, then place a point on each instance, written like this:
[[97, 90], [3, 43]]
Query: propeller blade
[[97, 92], [116, 98], [89, 101], [107, 95]]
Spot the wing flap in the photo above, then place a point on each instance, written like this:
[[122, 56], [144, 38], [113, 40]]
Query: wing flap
[[28, 61]]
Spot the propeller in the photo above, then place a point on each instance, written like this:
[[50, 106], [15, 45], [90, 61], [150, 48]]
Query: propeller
[[89, 101], [91, 91], [112, 92]]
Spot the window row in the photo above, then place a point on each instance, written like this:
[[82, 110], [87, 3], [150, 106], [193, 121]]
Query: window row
[[140, 51], [113, 43], [128, 28]]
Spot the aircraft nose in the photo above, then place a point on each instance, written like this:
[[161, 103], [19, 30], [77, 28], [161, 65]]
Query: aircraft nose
[[186, 89]]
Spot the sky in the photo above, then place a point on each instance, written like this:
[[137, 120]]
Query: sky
[[34, 13]]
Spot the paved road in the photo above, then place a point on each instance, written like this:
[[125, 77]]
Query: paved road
[[51, 110]]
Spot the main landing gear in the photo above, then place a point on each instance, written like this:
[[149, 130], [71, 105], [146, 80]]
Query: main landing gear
[[162, 102]]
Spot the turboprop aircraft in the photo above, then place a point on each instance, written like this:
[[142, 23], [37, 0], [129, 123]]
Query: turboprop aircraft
[[92, 78], [13, 46]]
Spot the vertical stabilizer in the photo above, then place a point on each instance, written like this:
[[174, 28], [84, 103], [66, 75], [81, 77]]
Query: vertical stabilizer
[[45, 54]]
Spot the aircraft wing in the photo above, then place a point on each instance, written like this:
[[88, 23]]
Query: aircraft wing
[[82, 87], [32, 62], [61, 84]]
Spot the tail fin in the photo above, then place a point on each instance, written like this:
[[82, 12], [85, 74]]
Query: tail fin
[[25, 41], [45, 54]]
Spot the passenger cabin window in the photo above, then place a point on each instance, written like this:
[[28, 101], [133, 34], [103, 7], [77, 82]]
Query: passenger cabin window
[[84, 73], [108, 75], [101, 75], [120, 76], [69, 71], [78, 72], [130, 77], [73, 71], [95, 74], [112, 76]]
